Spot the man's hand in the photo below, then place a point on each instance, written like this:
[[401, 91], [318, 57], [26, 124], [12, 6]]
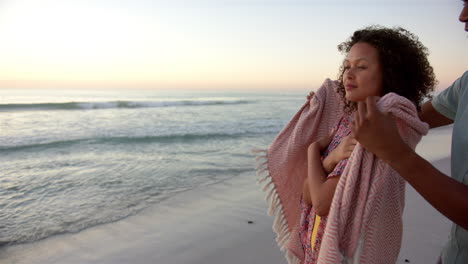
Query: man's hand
[[377, 131]]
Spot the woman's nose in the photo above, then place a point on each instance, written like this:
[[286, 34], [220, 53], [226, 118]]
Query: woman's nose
[[464, 14], [349, 74]]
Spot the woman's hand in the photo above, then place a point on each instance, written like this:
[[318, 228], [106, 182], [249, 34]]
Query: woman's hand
[[341, 152], [310, 95], [320, 144], [317, 189]]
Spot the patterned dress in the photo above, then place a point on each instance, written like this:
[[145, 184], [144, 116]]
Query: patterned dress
[[312, 225]]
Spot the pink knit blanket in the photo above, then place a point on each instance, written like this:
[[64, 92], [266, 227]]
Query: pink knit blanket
[[365, 220]]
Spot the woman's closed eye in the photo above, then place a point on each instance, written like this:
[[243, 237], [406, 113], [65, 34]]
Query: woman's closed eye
[[358, 67]]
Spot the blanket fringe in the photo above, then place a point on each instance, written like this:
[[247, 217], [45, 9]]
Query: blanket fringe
[[292, 259], [258, 150], [275, 208]]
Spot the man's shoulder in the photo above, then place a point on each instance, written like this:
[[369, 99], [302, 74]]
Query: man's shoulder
[[464, 81], [464, 89], [465, 75]]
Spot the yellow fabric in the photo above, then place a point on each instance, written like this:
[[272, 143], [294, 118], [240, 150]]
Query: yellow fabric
[[314, 231]]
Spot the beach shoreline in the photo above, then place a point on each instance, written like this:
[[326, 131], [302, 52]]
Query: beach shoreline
[[187, 228], [221, 223]]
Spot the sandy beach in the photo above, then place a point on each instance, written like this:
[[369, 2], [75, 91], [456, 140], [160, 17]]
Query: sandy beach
[[207, 225], [222, 223]]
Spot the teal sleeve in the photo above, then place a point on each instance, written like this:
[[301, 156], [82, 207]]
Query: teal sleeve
[[446, 102]]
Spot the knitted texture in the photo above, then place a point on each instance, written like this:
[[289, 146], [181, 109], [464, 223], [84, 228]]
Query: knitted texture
[[284, 165], [365, 219], [365, 215]]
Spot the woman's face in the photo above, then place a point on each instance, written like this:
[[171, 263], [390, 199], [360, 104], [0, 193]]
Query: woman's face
[[362, 73]]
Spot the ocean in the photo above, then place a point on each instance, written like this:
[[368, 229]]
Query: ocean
[[75, 159], [71, 160]]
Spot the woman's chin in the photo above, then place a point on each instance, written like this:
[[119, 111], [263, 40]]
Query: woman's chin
[[354, 99]]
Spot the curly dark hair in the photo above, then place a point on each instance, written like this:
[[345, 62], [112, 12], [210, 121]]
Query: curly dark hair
[[405, 68]]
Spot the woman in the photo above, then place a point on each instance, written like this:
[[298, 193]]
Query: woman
[[378, 61]]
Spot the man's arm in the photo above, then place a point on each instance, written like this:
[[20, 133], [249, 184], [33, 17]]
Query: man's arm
[[430, 115], [377, 132], [447, 195]]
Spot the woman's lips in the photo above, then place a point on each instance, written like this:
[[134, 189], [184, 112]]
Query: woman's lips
[[350, 87]]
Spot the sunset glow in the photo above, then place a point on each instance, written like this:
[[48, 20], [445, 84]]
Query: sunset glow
[[207, 44]]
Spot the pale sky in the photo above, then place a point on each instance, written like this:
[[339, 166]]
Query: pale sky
[[245, 44]]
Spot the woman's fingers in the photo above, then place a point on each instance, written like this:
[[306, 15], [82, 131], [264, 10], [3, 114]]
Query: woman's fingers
[[351, 143], [350, 139]]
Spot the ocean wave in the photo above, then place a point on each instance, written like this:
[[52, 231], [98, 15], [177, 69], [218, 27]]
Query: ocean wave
[[33, 228], [125, 140], [115, 104]]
